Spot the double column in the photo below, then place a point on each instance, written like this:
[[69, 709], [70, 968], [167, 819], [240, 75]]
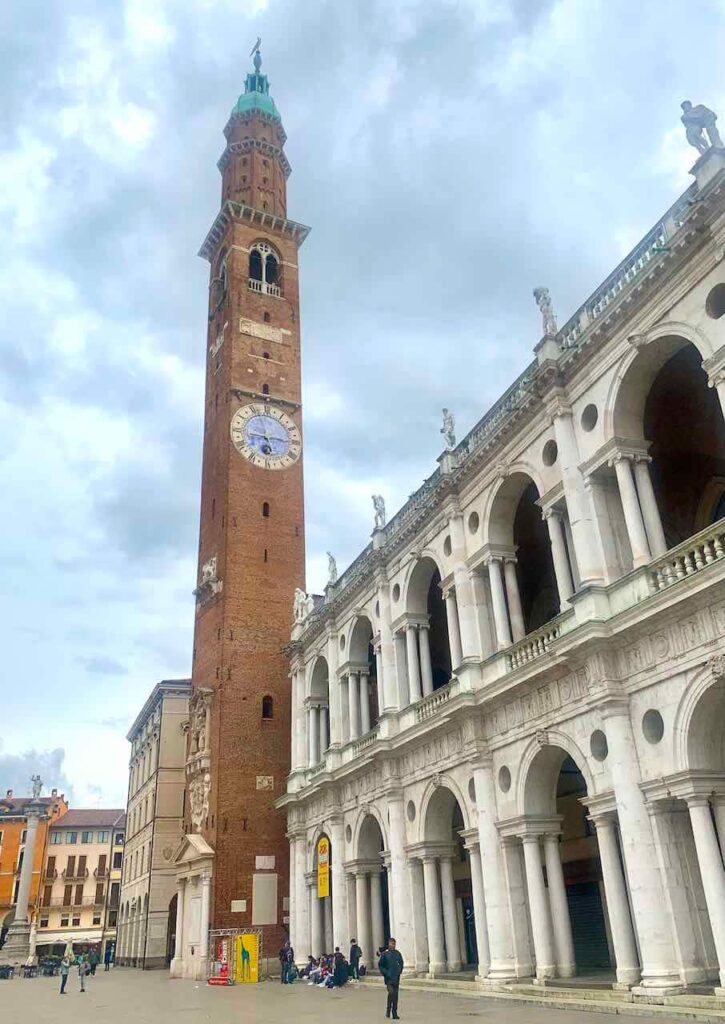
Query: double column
[[444, 947], [317, 732], [712, 872], [358, 700], [620, 921], [368, 909], [639, 505], [420, 668], [550, 921], [508, 614], [562, 570]]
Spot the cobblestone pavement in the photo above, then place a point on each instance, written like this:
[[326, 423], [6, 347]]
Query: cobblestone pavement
[[126, 996]]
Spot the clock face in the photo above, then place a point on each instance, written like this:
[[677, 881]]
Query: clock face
[[266, 436]]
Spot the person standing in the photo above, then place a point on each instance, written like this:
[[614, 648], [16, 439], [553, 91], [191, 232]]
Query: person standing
[[94, 959], [108, 957], [83, 970], [286, 959], [355, 956], [391, 967], [64, 971]]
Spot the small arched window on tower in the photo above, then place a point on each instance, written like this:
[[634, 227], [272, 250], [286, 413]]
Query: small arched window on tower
[[264, 270], [265, 509], [265, 389], [267, 707]]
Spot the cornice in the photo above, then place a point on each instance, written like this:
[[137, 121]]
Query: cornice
[[262, 219], [246, 145]]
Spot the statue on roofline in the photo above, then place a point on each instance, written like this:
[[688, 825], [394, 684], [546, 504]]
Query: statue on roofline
[[548, 320], [699, 120], [449, 429], [379, 506]]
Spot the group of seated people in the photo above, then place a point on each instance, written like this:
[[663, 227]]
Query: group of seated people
[[331, 970]]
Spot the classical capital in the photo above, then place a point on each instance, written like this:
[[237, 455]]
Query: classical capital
[[716, 665], [637, 341]]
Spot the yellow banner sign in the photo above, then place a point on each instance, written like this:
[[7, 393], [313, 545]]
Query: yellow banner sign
[[246, 956], [323, 867]]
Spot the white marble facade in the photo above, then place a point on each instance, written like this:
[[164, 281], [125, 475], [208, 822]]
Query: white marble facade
[[508, 713]]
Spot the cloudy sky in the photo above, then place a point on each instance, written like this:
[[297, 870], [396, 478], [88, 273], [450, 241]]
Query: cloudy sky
[[449, 156]]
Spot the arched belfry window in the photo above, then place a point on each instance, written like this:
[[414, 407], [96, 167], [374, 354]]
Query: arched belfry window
[[264, 269], [267, 707]]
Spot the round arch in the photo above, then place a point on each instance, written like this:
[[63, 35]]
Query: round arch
[[437, 807], [539, 769], [361, 635], [417, 582], [319, 678], [367, 813], [637, 369], [506, 494], [699, 729]]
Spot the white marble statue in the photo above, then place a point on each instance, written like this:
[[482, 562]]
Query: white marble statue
[[199, 798], [37, 786], [298, 607], [309, 605], [449, 429], [331, 568], [698, 121], [379, 506], [208, 571], [548, 320]]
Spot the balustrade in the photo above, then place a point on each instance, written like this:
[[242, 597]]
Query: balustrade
[[688, 558]]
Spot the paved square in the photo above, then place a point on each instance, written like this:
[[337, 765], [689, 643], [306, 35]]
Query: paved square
[[126, 996]]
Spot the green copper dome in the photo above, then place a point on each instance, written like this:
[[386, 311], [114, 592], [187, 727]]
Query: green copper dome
[[256, 93]]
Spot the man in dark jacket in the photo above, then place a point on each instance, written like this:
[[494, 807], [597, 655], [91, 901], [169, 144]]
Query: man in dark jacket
[[355, 956], [391, 967]]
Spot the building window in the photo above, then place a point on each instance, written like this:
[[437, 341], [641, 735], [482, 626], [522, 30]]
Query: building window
[[264, 274], [64, 922], [267, 707], [118, 840], [117, 860], [265, 389], [76, 922], [86, 837], [15, 890], [1, 837], [71, 837], [265, 510], [103, 837], [23, 836], [56, 838], [266, 318], [44, 922], [112, 918], [96, 918]]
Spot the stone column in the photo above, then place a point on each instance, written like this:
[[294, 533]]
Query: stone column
[[301, 721], [518, 626], [562, 571], [503, 965], [17, 942], [632, 511], [376, 914], [426, 669], [204, 923], [450, 915], [364, 703], [465, 601], [479, 911], [563, 940], [340, 934], [454, 630], [620, 922], [648, 503], [294, 687], [398, 878], [353, 696], [379, 681], [483, 613], [418, 914], [433, 917], [585, 542], [334, 692], [712, 872], [411, 646], [401, 671], [386, 669], [364, 931], [718, 809], [177, 962], [314, 734], [659, 967], [324, 738], [500, 614], [302, 906], [317, 921], [539, 909], [329, 939]]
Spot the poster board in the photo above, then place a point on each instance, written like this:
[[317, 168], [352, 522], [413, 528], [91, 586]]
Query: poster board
[[323, 867]]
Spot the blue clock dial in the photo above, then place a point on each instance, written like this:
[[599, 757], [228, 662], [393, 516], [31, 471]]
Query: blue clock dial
[[267, 436]]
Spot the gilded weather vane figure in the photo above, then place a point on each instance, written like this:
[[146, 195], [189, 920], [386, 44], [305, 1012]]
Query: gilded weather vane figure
[[256, 54]]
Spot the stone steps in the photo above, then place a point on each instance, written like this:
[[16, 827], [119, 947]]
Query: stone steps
[[705, 1009]]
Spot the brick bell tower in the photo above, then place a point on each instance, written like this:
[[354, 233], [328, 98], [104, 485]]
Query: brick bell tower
[[233, 864]]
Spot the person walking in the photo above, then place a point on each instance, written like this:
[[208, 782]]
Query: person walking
[[108, 957], [391, 967], [286, 959], [94, 959], [64, 972], [355, 956], [84, 969]]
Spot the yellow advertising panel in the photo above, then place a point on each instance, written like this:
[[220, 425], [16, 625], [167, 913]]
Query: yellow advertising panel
[[246, 958], [323, 867]]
